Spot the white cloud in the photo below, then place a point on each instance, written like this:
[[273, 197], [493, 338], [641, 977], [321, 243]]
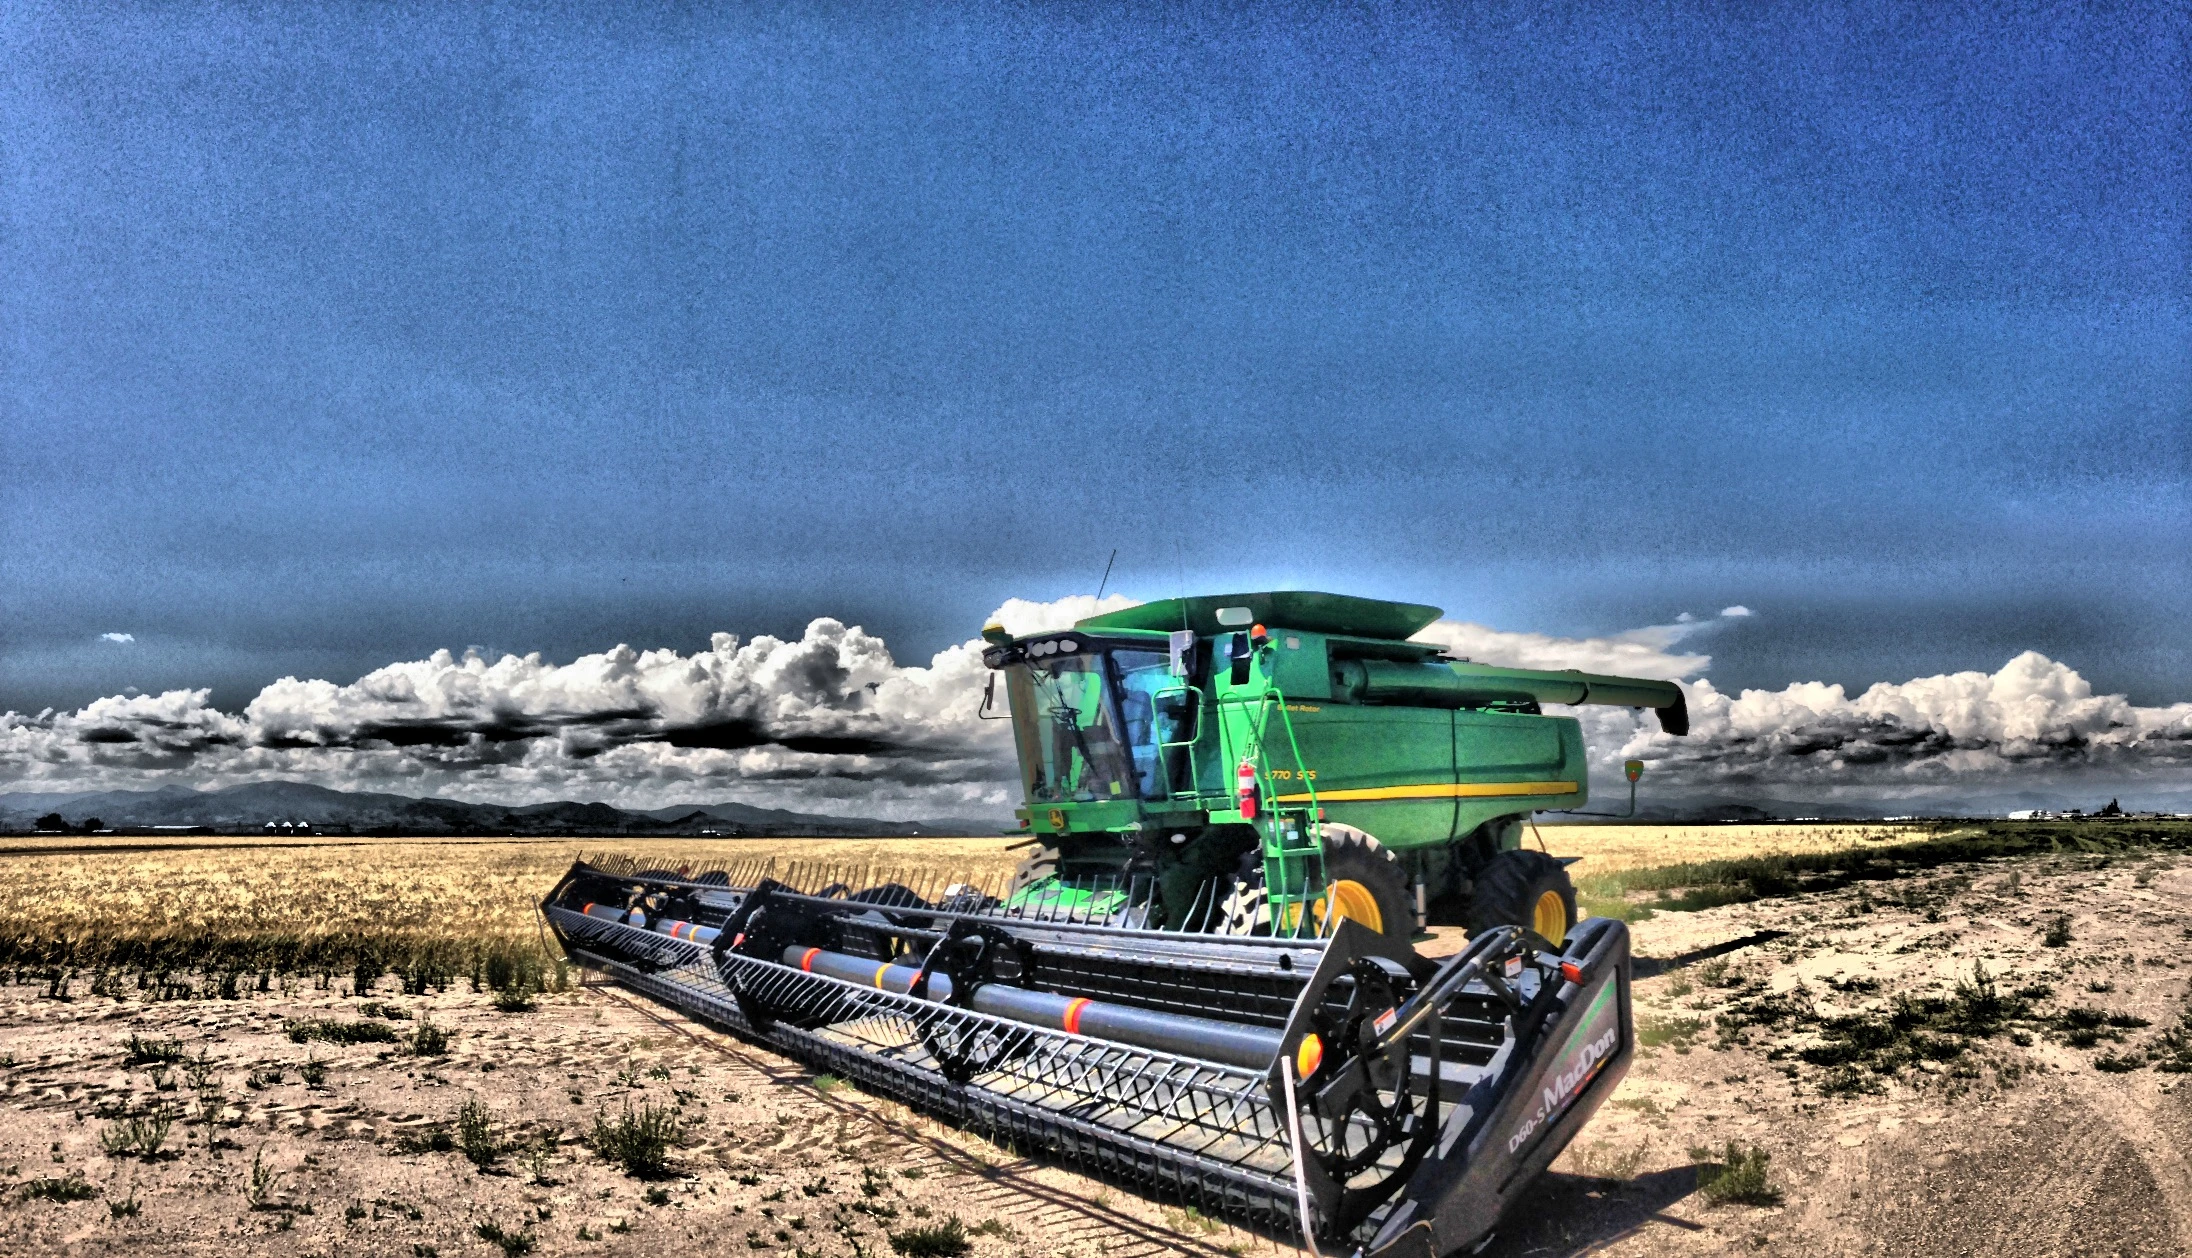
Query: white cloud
[[124, 638], [1646, 652], [1021, 617], [1737, 610], [831, 721]]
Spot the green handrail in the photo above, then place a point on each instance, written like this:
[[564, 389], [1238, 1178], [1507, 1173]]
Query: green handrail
[[1282, 891]]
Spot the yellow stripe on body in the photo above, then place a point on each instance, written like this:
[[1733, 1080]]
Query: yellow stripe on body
[[1432, 790]]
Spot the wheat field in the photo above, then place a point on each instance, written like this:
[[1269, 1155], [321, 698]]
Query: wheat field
[[250, 904], [425, 905], [1606, 849]]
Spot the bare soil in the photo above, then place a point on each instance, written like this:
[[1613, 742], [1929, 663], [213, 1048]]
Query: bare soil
[[1997, 1146]]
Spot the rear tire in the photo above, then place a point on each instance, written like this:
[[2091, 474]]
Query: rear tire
[[1526, 889]]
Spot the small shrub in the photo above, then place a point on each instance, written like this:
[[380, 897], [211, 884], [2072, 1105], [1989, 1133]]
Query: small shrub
[[514, 1000], [313, 1072], [260, 1191], [140, 1136], [73, 1188], [125, 1209], [376, 1009], [1654, 1032], [934, 1240], [656, 1196], [639, 1142], [199, 1071], [476, 1135], [144, 1052], [1739, 1179], [2120, 1063], [429, 1040], [435, 1139], [512, 1244], [2058, 931], [334, 1032]]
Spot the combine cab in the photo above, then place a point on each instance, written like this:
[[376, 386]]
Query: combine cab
[[1201, 984]]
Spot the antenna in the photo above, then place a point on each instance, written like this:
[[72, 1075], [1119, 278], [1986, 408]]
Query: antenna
[[1107, 574]]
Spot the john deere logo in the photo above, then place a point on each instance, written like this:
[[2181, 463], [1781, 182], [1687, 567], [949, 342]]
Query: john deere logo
[[1057, 819], [1634, 768]]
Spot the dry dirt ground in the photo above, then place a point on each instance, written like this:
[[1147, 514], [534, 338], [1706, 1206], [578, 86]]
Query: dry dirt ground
[[2008, 1142]]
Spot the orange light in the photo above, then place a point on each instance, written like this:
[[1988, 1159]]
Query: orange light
[[1572, 972], [1309, 1056]]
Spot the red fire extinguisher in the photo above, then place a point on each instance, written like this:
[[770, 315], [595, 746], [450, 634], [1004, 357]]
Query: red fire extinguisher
[[1249, 791]]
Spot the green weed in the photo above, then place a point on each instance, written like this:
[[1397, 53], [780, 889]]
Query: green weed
[[429, 1040], [512, 1244], [476, 1137], [300, 1030], [140, 1136], [1738, 1179], [934, 1240], [144, 1052], [72, 1188], [638, 1141]]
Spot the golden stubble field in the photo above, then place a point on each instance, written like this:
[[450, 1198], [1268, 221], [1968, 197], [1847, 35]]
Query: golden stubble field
[[244, 886], [150, 1107]]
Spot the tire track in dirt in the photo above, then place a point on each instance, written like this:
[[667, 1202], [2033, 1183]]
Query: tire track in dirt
[[2043, 1173], [2154, 1127], [1076, 1217]]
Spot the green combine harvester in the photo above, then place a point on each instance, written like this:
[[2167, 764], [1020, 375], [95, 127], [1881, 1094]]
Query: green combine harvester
[[1274, 763], [1202, 984]]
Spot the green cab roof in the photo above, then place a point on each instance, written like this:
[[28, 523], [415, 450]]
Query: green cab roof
[[1306, 610]]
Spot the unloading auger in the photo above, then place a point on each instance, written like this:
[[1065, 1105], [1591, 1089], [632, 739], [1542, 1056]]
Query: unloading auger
[[1343, 1088]]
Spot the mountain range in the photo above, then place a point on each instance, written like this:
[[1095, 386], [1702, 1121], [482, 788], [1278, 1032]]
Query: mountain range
[[249, 807]]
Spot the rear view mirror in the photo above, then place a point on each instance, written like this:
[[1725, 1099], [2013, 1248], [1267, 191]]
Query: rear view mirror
[[1238, 652], [1183, 641], [989, 701]]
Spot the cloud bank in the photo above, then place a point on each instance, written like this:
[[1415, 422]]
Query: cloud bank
[[831, 722]]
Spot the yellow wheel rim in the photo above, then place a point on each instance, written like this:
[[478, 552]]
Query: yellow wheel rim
[[1349, 900], [1551, 917]]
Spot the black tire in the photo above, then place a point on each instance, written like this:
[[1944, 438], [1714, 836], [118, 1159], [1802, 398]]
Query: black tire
[[1041, 863], [1349, 855], [1509, 888], [1353, 856]]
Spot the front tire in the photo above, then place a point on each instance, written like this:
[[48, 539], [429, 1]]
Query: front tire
[[1526, 889], [1362, 879], [1365, 882]]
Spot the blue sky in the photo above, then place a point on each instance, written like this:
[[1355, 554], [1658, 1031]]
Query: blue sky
[[332, 336]]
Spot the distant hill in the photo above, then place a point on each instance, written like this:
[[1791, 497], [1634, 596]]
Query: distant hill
[[248, 808]]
